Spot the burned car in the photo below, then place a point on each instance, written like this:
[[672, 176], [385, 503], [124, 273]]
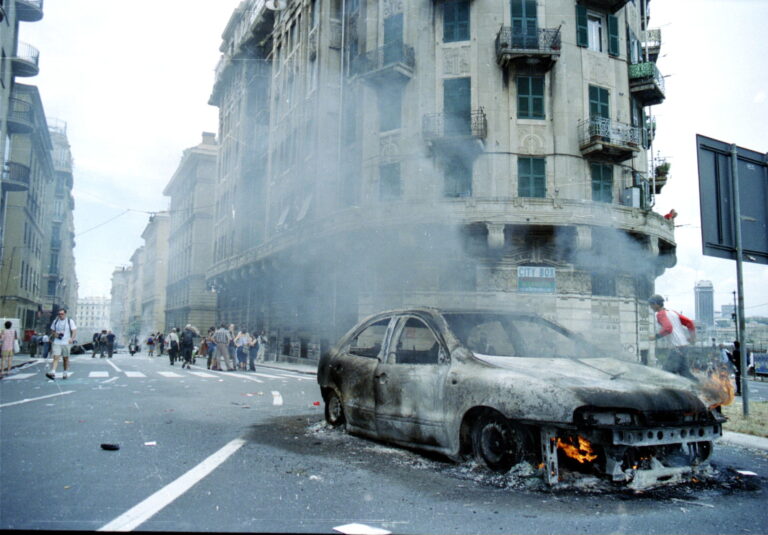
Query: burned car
[[507, 388]]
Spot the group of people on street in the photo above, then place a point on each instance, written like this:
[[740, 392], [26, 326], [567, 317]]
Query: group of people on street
[[155, 339], [228, 349], [103, 344]]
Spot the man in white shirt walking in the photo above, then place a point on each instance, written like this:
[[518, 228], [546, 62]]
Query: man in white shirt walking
[[63, 333]]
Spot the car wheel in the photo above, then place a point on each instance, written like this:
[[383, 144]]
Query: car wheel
[[496, 442], [334, 411]]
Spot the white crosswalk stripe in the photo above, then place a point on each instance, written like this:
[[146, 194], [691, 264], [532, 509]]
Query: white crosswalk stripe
[[268, 376], [173, 375], [134, 375], [19, 376], [204, 374], [98, 374]]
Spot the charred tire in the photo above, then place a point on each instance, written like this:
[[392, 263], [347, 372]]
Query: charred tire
[[334, 410], [496, 442]]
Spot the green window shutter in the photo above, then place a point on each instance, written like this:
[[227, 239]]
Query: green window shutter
[[531, 177], [613, 35], [582, 38], [598, 102], [530, 97], [602, 182]]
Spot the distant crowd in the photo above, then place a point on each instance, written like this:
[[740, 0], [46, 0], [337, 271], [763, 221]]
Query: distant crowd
[[225, 348]]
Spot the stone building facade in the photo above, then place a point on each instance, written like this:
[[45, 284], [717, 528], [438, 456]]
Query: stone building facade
[[154, 273], [479, 155], [190, 243], [93, 316], [119, 303]]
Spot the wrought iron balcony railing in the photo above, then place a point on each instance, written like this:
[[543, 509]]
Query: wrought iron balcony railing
[[20, 117], [543, 42], [436, 126], [646, 83], [16, 175], [26, 61], [394, 54], [609, 140]]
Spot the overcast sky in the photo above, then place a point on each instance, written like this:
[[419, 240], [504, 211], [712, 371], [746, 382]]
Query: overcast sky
[[132, 81]]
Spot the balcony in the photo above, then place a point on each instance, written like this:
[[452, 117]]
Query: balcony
[[608, 5], [29, 10], [393, 63], [660, 174], [646, 83], [26, 61], [15, 177], [20, 117], [603, 139], [652, 44], [446, 131], [538, 49]]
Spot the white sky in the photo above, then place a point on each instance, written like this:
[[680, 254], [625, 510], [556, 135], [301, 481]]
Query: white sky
[[133, 80]]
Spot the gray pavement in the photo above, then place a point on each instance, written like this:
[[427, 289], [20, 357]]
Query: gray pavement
[[737, 439]]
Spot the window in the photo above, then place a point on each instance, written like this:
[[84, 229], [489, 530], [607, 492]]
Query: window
[[390, 108], [595, 33], [602, 182], [530, 97], [393, 39], [455, 20], [458, 178], [368, 343], [590, 27], [598, 102], [417, 344], [457, 105], [603, 284], [531, 177], [525, 32], [389, 182]]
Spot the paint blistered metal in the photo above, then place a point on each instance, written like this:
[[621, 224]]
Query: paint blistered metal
[[640, 420]]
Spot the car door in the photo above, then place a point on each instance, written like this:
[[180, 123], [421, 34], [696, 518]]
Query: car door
[[354, 368], [409, 385]]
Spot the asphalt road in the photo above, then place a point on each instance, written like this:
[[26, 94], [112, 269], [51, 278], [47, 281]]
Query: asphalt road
[[245, 452]]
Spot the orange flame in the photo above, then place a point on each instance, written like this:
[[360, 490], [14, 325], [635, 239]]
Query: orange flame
[[583, 453], [718, 388]]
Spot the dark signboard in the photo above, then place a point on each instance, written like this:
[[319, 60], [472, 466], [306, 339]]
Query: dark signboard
[[717, 201]]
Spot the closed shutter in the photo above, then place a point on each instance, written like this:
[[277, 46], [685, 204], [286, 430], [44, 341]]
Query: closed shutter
[[613, 35], [582, 38]]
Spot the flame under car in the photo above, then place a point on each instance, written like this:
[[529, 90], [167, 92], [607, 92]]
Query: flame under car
[[507, 388]]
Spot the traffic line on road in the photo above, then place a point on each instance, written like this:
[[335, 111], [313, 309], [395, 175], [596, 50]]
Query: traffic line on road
[[134, 375], [36, 399], [268, 376], [118, 370], [18, 376], [298, 377], [112, 380], [145, 510], [170, 374], [98, 374], [204, 374], [277, 399]]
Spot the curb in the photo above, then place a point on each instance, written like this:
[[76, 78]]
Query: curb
[[747, 441]]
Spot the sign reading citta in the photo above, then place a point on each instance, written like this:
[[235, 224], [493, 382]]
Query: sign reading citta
[[536, 279]]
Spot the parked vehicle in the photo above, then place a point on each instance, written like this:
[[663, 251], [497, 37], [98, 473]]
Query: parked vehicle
[[507, 388]]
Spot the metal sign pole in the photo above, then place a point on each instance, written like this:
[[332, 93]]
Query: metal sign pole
[[739, 279]]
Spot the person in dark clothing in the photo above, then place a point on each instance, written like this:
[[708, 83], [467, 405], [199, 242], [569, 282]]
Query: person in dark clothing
[[187, 344], [173, 345], [110, 344], [160, 343], [736, 361]]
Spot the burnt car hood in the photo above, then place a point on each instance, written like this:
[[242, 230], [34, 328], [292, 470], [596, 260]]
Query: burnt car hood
[[607, 382]]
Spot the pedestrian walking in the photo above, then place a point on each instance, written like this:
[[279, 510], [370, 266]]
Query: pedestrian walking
[[160, 344], [10, 345], [103, 344], [151, 345], [34, 341], [64, 333], [231, 347], [253, 351], [736, 361], [187, 344], [262, 347], [678, 331], [211, 345], [173, 345], [46, 345], [222, 338], [110, 344], [95, 344]]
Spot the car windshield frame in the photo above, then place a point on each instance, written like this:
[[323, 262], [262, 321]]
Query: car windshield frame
[[517, 343]]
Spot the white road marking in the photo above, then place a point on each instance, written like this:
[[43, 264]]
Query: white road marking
[[360, 529], [250, 378], [35, 399], [98, 374], [277, 399], [19, 376], [118, 370], [299, 377], [145, 510], [170, 374], [268, 376], [110, 380], [133, 374], [203, 374]]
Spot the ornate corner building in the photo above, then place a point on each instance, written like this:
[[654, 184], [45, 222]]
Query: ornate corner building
[[451, 153]]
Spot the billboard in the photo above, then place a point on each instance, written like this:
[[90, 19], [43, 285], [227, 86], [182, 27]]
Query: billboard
[[717, 200]]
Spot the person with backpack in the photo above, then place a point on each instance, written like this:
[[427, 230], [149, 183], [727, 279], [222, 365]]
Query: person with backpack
[[173, 345], [187, 344], [151, 345]]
